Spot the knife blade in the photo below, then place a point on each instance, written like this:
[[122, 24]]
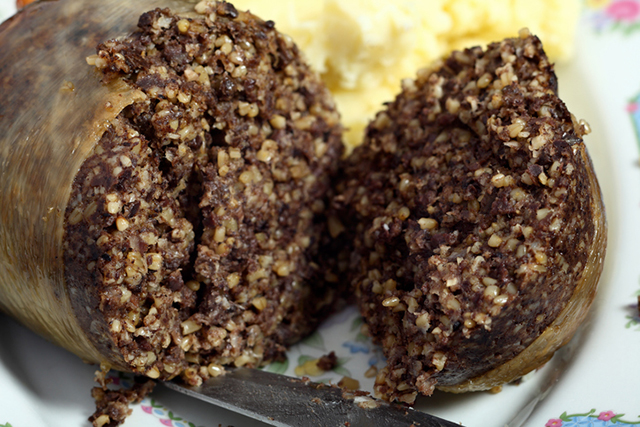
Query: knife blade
[[291, 402]]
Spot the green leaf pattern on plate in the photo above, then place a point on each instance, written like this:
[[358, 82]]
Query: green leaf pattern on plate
[[314, 340], [278, 367]]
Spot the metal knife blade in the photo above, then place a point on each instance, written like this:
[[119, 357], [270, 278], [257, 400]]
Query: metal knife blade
[[290, 402]]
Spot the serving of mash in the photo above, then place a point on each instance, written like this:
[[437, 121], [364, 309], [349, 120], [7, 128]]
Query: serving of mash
[[364, 48]]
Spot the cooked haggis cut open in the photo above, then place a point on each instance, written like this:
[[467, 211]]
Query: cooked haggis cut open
[[165, 171], [195, 220], [475, 220]]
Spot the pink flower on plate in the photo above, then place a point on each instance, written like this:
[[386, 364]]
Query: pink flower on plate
[[166, 422], [553, 422], [632, 107], [146, 408], [624, 10], [606, 416]]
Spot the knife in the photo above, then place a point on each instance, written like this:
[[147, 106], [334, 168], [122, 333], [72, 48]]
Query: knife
[[291, 402]]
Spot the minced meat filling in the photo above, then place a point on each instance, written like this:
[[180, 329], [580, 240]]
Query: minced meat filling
[[469, 215], [193, 227]]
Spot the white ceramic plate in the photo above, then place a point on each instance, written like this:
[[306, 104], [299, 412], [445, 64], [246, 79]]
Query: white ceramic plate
[[596, 380]]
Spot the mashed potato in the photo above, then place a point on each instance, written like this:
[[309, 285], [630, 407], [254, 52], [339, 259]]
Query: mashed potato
[[364, 48]]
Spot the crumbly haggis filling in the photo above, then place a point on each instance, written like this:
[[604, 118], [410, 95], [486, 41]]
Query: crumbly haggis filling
[[193, 227], [112, 406], [469, 215]]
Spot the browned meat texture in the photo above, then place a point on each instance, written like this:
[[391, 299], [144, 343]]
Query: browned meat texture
[[469, 214], [192, 229]]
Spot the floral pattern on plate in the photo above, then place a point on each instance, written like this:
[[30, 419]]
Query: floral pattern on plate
[[354, 352], [633, 318], [165, 416], [149, 406], [633, 108], [356, 357], [614, 15], [591, 419]]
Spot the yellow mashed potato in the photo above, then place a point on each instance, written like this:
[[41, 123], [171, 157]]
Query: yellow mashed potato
[[364, 48]]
